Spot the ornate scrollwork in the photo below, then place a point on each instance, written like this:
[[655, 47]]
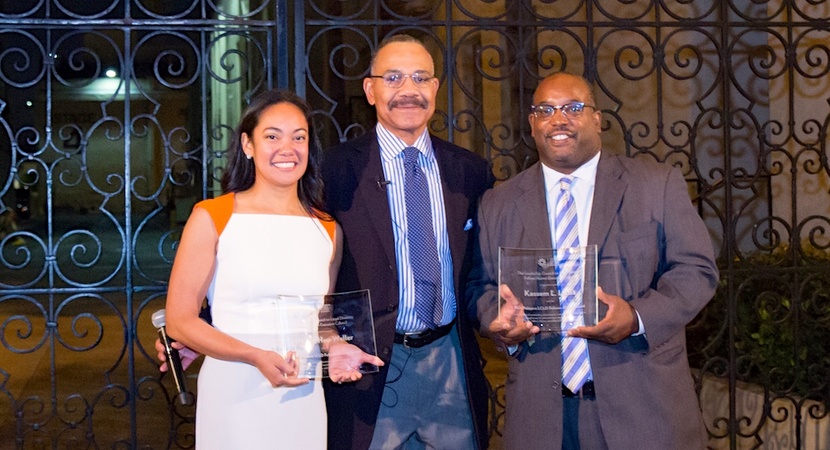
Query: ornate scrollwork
[[98, 174]]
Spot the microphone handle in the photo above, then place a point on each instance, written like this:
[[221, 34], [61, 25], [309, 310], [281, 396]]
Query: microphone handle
[[174, 361]]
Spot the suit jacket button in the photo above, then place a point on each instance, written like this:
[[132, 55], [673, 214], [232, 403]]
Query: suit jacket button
[[391, 308], [385, 351]]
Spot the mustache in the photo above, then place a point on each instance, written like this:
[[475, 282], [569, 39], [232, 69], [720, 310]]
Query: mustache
[[408, 101], [557, 129]]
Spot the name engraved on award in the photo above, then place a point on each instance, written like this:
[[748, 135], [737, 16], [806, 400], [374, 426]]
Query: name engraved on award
[[326, 331], [534, 279]]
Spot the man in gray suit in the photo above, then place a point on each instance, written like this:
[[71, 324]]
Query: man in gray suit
[[637, 390]]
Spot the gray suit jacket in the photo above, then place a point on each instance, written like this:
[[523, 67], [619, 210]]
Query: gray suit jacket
[[642, 218]]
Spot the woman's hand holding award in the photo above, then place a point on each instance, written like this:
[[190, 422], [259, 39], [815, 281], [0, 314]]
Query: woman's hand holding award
[[329, 336]]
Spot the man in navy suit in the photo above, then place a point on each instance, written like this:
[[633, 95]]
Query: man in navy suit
[[431, 392], [638, 391]]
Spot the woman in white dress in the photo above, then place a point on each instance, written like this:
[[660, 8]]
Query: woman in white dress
[[264, 238]]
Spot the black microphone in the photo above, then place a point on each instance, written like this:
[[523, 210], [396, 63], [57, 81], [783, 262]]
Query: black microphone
[[174, 362], [382, 183]]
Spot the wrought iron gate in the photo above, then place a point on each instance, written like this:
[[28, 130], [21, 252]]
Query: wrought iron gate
[[115, 117], [98, 173]]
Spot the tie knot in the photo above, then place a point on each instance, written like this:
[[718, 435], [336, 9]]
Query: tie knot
[[565, 183], [410, 157]]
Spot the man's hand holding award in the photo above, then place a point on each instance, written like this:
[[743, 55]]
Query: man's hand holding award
[[545, 290]]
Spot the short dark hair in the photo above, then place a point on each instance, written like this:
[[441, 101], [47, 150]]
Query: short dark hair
[[240, 173]]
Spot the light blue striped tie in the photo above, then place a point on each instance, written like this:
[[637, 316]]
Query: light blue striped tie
[[576, 367], [423, 250]]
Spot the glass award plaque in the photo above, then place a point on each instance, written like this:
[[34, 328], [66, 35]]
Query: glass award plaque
[[610, 279], [326, 332], [534, 278]]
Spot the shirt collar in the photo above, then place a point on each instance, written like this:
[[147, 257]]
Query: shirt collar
[[587, 172], [391, 146]]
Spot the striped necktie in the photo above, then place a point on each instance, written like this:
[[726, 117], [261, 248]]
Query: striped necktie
[[576, 367], [423, 250]]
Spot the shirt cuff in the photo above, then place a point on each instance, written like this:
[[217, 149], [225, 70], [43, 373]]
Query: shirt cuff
[[641, 330]]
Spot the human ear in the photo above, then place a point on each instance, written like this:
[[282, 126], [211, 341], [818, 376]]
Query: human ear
[[368, 86]]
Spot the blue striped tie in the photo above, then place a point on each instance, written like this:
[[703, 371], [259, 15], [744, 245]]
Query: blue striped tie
[[423, 250], [576, 367]]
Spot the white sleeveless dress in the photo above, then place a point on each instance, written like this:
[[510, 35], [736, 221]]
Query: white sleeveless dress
[[260, 257]]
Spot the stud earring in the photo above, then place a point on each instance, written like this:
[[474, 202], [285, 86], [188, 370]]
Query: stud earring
[[247, 156]]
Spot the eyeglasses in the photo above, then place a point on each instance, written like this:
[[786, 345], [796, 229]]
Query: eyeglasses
[[395, 80], [569, 110]]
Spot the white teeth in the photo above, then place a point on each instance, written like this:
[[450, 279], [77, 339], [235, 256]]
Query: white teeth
[[560, 137], [283, 165]]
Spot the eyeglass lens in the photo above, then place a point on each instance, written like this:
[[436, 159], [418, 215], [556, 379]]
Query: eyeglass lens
[[395, 79], [569, 109]]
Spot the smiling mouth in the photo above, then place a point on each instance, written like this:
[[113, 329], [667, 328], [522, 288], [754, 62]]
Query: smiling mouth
[[559, 137], [284, 165]]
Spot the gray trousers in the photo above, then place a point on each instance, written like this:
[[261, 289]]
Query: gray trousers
[[581, 428], [425, 403]]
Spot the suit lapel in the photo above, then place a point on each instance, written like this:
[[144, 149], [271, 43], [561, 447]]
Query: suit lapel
[[532, 208], [608, 193], [373, 194], [531, 205], [455, 200]]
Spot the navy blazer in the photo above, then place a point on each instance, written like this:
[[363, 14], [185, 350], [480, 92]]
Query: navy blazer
[[356, 197], [643, 220]]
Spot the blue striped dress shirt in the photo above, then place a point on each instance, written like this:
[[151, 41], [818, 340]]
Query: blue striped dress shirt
[[391, 156]]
